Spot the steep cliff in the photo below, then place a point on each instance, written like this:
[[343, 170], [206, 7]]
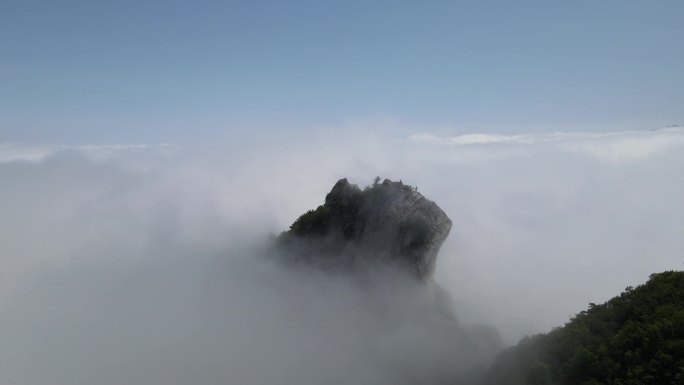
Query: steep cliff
[[386, 223]]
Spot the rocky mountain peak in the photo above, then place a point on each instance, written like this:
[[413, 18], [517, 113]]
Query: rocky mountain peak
[[387, 222]]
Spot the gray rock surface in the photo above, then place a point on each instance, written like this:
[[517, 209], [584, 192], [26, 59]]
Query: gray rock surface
[[386, 223]]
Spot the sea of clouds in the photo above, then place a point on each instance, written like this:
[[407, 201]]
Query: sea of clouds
[[143, 263]]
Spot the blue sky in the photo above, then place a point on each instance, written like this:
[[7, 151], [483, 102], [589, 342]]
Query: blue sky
[[132, 71]]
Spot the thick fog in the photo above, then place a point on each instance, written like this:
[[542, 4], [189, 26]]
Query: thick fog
[[148, 263]]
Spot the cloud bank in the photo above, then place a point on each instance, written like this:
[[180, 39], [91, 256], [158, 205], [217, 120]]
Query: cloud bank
[[140, 263], [615, 147]]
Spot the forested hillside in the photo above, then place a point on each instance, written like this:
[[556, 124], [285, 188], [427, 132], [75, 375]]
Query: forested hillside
[[634, 338]]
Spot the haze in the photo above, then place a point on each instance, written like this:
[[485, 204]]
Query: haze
[[142, 263], [149, 151]]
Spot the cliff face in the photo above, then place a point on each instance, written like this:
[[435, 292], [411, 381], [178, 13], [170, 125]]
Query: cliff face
[[387, 222]]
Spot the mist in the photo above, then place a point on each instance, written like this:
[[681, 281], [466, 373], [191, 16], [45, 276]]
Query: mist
[[149, 264]]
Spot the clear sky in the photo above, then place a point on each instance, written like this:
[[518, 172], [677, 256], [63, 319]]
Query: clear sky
[[171, 71]]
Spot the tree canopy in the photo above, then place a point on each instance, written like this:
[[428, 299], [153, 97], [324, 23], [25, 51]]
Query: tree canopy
[[634, 338]]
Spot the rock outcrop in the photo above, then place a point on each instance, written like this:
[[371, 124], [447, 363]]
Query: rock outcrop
[[386, 223]]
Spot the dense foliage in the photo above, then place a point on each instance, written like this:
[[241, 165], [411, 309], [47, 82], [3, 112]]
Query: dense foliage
[[635, 338], [312, 222]]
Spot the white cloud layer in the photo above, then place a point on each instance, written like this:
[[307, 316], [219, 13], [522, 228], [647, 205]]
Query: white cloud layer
[[135, 263], [619, 146]]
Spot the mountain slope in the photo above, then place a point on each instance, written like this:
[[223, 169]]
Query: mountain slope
[[634, 338]]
